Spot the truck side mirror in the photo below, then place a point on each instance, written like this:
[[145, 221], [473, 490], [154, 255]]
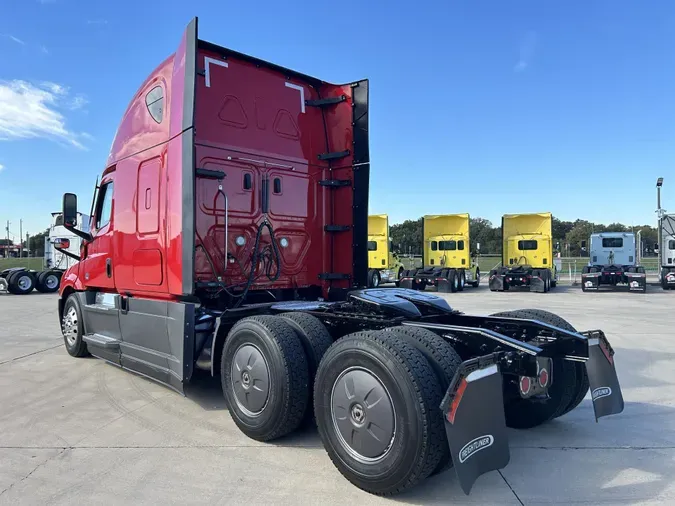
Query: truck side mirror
[[70, 216], [69, 209], [656, 246], [478, 246], [583, 244]]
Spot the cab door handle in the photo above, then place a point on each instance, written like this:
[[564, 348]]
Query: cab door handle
[[108, 267]]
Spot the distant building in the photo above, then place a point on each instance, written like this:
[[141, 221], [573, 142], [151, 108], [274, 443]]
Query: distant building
[[8, 249]]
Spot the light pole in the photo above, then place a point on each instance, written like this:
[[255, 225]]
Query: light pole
[[659, 214]]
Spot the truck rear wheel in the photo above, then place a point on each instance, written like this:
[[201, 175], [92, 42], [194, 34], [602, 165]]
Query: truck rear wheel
[[453, 280], [48, 282], [462, 280], [376, 401], [21, 282], [315, 340], [444, 360], [570, 383], [264, 374], [72, 328]]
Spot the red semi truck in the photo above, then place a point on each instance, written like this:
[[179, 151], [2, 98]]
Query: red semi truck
[[229, 234]]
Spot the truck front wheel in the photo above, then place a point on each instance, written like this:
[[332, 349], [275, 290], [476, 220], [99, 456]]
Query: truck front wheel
[[376, 404], [72, 328], [265, 377], [373, 278]]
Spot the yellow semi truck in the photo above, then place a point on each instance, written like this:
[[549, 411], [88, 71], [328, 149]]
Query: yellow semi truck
[[527, 254], [447, 260], [384, 265]]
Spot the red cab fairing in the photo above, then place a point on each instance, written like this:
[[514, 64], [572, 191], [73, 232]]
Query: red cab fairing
[[288, 158]]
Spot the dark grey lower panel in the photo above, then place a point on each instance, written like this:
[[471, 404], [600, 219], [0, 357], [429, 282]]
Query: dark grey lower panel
[[158, 339]]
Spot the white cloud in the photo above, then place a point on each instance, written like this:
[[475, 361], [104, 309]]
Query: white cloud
[[97, 21], [30, 110], [1, 167], [44, 50], [526, 51], [13, 38]]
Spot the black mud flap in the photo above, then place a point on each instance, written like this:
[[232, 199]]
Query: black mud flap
[[443, 286], [637, 282], [496, 282], [536, 284], [590, 281], [407, 283], [474, 420], [605, 388]]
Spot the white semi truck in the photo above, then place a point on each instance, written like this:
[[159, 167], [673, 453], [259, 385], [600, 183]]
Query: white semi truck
[[666, 248], [61, 250]]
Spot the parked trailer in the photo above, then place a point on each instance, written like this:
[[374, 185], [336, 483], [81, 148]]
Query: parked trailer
[[447, 259], [61, 250], [212, 247], [384, 265], [613, 262], [666, 247], [527, 254]]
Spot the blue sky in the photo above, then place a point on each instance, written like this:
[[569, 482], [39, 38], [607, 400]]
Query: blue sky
[[487, 107]]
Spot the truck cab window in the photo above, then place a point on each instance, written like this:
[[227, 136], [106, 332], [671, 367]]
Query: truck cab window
[[527, 245], [460, 245], [447, 245], [612, 242], [104, 207], [671, 244], [154, 101], [372, 246], [434, 246]]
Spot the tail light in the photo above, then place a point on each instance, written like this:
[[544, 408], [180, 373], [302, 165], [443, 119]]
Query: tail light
[[525, 385], [543, 378]]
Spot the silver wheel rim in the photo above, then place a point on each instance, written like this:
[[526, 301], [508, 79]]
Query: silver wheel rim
[[69, 326], [376, 280], [24, 283], [51, 281], [250, 379], [363, 415]]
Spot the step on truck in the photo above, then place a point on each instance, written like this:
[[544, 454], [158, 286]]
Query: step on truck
[[448, 263], [61, 248], [666, 249], [527, 254], [229, 235], [613, 263], [384, 264]]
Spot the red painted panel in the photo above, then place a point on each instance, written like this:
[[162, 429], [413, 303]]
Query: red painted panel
[[147, 197], [147, 267]]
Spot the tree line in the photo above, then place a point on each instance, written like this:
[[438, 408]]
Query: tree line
[[567, 236]]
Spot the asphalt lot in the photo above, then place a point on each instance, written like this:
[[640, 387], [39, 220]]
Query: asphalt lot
[[82, 431]]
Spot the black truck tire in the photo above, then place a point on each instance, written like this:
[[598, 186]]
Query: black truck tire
[[373, 278], [72, 328], [461, 281], [453, 280], [48, 282], [570, 382], [405, 395], [21, 282], [477, 280], [267, 351], [444, 360], [315, 340]]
